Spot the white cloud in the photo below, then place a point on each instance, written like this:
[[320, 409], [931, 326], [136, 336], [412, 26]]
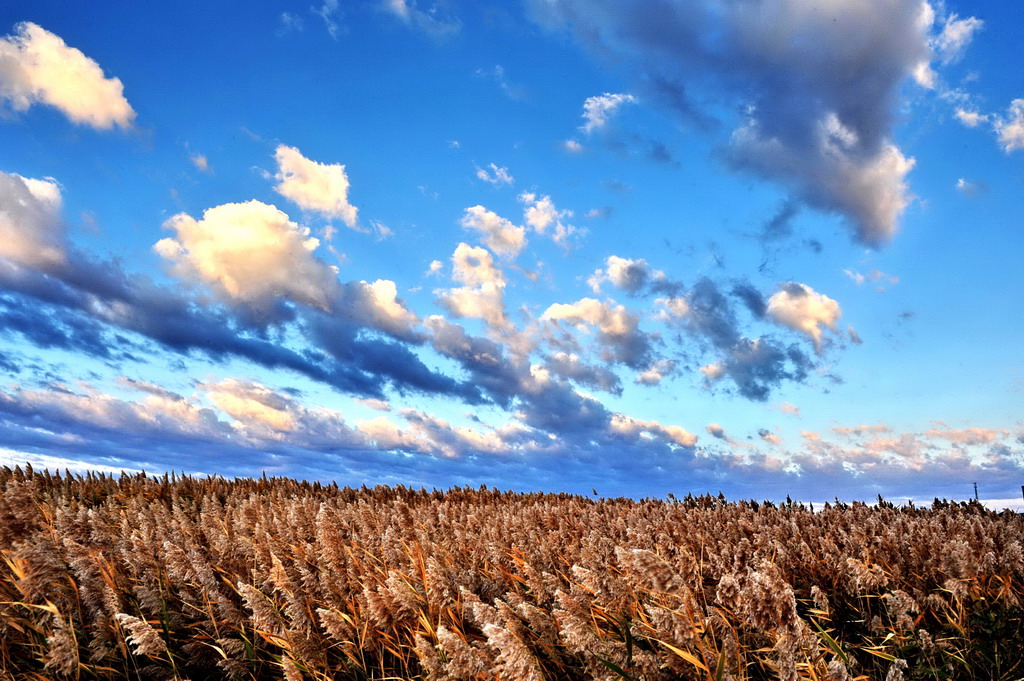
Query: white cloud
[[801, 308], [434, 268], [380, 230], [482, 295], [250, 253], [59, 464], [373, 403], [624, 273], [632, 427], [328, 11], [967, 436], [874, 276], [925, 75], [656, 373], [971, 119], [384, 310], [428, 434], [1011, 128], [427, 21], [31, 229], [165, 413], [968, 187], [956, 35], [618, 328], [672, 308], [591, 312], [262, 416], [570, 365], [499, 234], [714, 371], [573, 147], [543, 216], [251, 403], [313, 186], [716, 431], [290, 22], [598, 110], [200, 162], [787, 408], [497, 176], [37, 67]]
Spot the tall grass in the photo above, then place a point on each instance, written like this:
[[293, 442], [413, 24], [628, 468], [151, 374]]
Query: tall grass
[[175, 577]]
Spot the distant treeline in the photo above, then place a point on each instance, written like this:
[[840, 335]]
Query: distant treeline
[[142, 577]]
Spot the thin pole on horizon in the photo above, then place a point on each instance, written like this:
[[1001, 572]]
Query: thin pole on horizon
[[975, 491]]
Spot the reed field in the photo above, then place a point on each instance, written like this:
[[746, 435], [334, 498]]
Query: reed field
[[191, 578]]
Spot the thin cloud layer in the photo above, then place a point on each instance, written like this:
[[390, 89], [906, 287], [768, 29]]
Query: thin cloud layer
[[38, 67]]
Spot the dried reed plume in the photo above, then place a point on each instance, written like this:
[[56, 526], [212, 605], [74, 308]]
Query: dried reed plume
[[176, 577]]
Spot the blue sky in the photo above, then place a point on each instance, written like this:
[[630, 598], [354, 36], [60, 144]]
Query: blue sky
[[763, 248]]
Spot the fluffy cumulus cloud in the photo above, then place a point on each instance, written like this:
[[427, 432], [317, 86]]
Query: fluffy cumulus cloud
[[317, 187], [801, 308], [828, 139], [250, 253], [547, 220], [31, 227], [598, 110], [385, 310], [618, 329], [499, 234], [632, 276], [482, 295], [38, 67]]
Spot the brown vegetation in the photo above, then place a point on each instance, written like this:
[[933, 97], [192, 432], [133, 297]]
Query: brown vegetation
[[143, 577]]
